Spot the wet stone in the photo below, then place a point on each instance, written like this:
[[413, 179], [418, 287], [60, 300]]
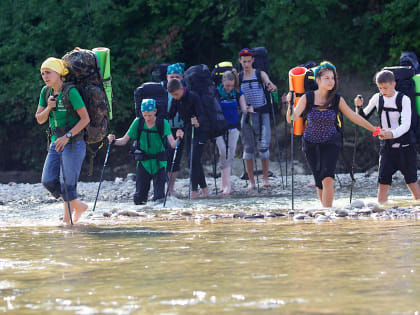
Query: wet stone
[[239, 215], [270, 214], [299, 216], [357, 204], [365, 211], [131, 176], [341, 213], [291, 212], [129, 213], [374, 207], [107, 214], [186, 213], [279, 214], [255, 216]]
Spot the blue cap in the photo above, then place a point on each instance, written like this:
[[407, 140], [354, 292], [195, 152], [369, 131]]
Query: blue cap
[[246, 52], [177, 68], [148, 105]]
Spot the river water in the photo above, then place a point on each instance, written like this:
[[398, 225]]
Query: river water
[[167, 263]]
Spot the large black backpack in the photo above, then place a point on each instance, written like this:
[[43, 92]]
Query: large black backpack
[[405, 84], [158, 73], [409, 58], [198, 79], [261, 60], [154, 91]]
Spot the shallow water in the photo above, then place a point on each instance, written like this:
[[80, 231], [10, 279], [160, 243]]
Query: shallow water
[[173, 264]]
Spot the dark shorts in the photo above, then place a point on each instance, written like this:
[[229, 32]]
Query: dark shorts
[[399, 159], [322, 158]]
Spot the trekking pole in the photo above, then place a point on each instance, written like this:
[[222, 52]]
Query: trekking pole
[[62, 173], [255, 153], [170, 173], [102, 174], [191, 157], [277, 138], [291, 151], [214, 164], [245, 172], [353, 180], [284, 101]]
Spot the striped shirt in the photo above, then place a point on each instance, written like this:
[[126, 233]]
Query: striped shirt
[[253, 91]]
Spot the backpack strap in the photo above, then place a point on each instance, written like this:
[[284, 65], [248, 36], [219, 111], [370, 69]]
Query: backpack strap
[[159, 127], [381, 108]]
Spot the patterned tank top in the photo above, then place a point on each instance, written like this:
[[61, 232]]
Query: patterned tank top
[[253, 91], [321, 125]]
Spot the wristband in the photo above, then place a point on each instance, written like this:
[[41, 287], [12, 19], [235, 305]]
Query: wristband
[[376, 132]]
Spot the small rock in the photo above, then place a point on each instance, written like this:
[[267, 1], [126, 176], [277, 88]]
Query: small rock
[[374, 207], [254, 216], [1, 203], [291, 212], [321, 218], [357, 204], [269, 215], [107, 214], [341, 213], [186, 213], [114, 210], [11, 184], [279, 214], [129, 213], [364, 211], [118, 180], [299, 216], [131, 176], [239, 215]]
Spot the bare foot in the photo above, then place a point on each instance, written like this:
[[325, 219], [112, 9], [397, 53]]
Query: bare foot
[[79, 208], [227, 191], [250, 187], [204, 192], [194, 194]]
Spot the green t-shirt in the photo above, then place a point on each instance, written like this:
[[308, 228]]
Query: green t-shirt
[[155, 143], [61, 113]]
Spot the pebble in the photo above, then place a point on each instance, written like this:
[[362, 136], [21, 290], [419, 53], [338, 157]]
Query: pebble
[[321, 218], [254, 216], [186, 213], [239, 215], [341, 213], [128, 213], [107, 214], [364, 211], [357, 204], [299, 216]]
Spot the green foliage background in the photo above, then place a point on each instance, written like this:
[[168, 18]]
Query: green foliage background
[[358, 36]]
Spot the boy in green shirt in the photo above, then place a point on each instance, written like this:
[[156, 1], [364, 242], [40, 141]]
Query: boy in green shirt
[[151, 136]]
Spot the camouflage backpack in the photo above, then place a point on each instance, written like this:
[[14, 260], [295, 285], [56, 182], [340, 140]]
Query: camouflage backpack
[[84, 74]]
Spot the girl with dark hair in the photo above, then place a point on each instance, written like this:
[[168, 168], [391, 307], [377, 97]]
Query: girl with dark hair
[[322, 138]]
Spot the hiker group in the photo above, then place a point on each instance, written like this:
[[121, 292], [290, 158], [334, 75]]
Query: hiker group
[[195, 106]]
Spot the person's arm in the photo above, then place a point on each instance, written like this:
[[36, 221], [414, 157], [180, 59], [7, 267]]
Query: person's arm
[[297, 111], [357, 119], [120, 141], [405, 121], [270, 86], [242, 103], [172, 141], [43, 110], [368, 111], [198, 119]]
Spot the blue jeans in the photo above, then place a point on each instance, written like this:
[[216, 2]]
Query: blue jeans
[[72, 158]]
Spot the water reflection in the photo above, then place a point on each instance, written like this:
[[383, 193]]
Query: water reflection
[[182, 267]]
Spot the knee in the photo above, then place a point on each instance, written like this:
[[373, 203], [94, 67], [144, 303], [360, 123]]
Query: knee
[[53, 187], [328, 181]]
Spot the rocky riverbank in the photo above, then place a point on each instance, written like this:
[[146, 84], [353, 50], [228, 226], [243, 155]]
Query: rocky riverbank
[[116, 197]]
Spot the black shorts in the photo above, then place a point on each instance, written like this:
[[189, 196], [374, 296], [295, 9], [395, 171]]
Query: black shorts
[[322, 158], [399, 159]]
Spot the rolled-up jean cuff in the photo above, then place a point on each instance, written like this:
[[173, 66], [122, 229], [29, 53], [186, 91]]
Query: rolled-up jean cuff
[[71, 193]]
